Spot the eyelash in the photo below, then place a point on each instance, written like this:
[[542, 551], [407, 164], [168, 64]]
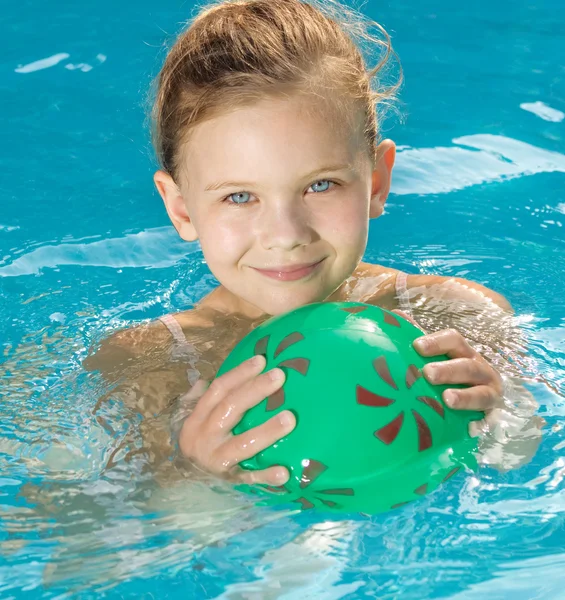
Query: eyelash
[[239, 205]]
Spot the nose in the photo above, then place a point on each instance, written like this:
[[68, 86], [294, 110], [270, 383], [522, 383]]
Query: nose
[[285, 226]]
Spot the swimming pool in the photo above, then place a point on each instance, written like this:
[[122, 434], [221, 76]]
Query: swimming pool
[[85, 248]]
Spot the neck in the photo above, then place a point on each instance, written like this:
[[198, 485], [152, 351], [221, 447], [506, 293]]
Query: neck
[[224, 301]]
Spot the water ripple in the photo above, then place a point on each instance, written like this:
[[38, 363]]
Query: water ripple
[[154, 248], [477, 159], [42, 63]]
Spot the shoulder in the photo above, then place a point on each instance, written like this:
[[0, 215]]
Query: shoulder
[[125, 346], [121, 347], [456, 288], [453, 288], [371, 283]]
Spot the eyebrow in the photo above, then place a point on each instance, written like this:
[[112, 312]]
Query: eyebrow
[[247, 184]]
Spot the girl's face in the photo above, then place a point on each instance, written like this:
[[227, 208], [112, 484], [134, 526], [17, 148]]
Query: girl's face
[[280, 199]]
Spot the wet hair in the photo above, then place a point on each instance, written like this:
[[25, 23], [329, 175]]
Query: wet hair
[[237, 52]]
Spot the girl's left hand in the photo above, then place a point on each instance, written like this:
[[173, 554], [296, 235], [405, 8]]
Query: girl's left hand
[[466, 366]]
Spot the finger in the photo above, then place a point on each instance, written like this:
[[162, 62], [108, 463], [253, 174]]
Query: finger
[[469, 371], [204, 432], [248, 444], [408, 318], [184, 405], [226, 383], [195, 391], [483, 426], [447, 341], [229, 411], [478, 397], [275, 476]]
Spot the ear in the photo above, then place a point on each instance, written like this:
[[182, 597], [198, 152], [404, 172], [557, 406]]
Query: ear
[[175, 205], [381, 177]]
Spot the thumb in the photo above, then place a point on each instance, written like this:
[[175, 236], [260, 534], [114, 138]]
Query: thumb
[[196, 390], [184, 404]]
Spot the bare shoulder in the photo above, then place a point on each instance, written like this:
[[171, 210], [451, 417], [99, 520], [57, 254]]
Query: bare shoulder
[[127, 345], [457, 288], [124, 345], [373, 270], [373, 284]]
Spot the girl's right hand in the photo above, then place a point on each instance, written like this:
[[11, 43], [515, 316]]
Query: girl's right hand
[[206, 435]]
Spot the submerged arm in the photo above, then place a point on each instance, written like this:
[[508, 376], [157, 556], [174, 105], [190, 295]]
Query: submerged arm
[[137, 371]]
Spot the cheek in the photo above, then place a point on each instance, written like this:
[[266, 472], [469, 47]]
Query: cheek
[[223, 240], [348, 222]]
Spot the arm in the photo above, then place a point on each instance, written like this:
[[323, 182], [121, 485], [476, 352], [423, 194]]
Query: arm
[[457, 288], [485, 320], [484, 317]]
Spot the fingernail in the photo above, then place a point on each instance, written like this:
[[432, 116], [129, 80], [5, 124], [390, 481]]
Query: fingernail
[[421, 344], [474, 429], [257, 360], [286, 418], [281, 475], [431, 372], [276, 374], [450, 397]]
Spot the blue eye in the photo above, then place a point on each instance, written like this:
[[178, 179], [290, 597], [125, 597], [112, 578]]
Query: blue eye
[[321, 186], [240, 197]]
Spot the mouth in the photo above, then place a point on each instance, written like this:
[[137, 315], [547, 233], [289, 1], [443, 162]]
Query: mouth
[[290, 272]]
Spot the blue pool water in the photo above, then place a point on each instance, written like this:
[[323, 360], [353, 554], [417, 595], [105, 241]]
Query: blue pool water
[[86, 248]]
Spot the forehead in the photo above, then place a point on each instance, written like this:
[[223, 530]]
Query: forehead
[[275, 137]]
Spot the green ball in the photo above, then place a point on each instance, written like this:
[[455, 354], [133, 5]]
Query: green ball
[[372, 434]]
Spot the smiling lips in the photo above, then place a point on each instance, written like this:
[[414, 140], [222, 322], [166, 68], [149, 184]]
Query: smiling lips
[[290, 272]]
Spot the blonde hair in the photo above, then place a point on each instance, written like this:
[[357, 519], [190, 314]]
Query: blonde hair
[[236, 52]]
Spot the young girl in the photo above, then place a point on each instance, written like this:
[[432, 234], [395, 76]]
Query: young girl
[[267, 133]]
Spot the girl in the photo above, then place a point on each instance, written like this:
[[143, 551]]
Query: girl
[[266, 129]]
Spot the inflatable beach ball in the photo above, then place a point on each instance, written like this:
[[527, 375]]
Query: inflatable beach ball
[[372, 434]]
